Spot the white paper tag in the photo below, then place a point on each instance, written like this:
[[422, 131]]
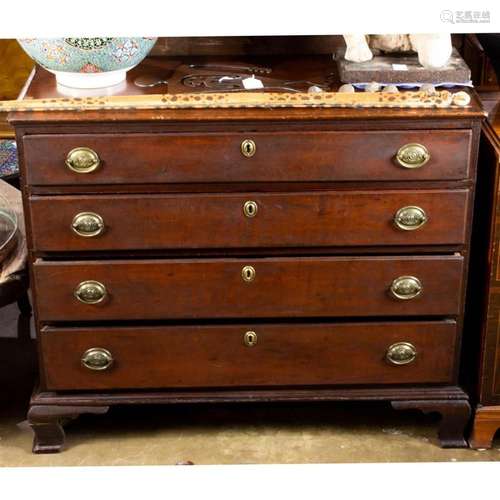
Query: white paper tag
[[252, 83], [400, 67]]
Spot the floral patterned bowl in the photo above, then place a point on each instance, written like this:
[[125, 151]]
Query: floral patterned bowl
[[88, 62]]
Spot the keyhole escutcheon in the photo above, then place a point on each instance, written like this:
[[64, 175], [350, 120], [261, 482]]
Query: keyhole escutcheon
[[248, 273], [248, 148], [250, 339], [250, 209]]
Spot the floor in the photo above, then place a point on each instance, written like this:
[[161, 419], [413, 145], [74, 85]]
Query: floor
[[237, 434], [340, 433]]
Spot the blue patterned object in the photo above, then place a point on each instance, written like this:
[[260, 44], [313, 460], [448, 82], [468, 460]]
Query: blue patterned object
[[8, 158], [87, 55]]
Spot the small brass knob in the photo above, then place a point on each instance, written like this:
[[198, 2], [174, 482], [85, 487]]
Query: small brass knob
[[250, 209], [248, 273], [401, 353], [410, 218], [250, 339], [87, 224], [248, 148], [83, 160], [97, 359], [406, 288], [413, 156], [90, 292]]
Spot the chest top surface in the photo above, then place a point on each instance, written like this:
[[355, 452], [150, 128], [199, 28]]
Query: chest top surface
[[184, 73]]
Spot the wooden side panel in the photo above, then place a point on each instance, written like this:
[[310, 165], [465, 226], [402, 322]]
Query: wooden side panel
[[484, 295]]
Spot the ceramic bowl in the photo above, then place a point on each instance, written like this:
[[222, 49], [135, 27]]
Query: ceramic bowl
[[8, 228], [88, 62]]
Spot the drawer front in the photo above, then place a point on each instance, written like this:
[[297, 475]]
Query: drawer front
[[345, 218], [218, 158], [244, 288], [219, 356]]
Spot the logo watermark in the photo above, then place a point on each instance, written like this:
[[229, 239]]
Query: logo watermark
[[465, 16]]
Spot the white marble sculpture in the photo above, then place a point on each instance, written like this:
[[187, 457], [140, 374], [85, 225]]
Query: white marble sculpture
[[434, 49]]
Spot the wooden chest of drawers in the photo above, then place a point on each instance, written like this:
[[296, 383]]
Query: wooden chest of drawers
[[248, 255]]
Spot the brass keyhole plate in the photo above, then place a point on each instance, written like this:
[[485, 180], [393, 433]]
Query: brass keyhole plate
[[250, 339], [250, 209], [248, 273], [248, 148]]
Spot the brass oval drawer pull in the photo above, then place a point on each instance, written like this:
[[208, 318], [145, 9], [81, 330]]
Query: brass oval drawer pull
[[250, 339], [410, 218], [90, 292], [413, 155], [248, 273], [401, 353], [83, 160], [248, 148], [406, 288], [250, 209], [97, 359], [87, 224]]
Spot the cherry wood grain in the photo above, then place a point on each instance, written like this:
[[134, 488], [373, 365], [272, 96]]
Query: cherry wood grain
[[306, 354], [218, 220], [216, 157], [214, 288], [485, 426]]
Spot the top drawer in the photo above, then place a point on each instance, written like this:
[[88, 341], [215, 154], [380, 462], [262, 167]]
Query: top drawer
[[246, 157]]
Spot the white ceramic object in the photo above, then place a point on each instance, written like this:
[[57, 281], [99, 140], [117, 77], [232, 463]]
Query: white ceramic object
[[91, 80], [88, 63]]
